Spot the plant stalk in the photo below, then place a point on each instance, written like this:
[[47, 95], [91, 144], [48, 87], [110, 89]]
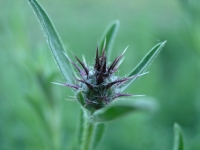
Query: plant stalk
[[88, 134]]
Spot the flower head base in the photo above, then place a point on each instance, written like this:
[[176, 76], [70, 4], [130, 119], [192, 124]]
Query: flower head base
[[98, 84]]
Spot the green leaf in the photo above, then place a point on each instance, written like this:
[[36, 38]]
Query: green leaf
[[98, 134], [144, 63], [36, 106], [39, 109], [113, 112], [53, 41], [109, 35], [178, 138], [80, 98]]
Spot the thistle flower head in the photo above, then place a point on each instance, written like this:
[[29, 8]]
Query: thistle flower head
[[98, 83]]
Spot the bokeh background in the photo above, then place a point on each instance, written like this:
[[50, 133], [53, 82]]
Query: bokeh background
[[36, 115]]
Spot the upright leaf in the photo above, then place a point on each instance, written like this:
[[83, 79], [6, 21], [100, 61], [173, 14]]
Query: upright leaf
[[36, 106], [145, 62], [53, 41], [178, 138], [80, 98], [109, 35], [39, 110]]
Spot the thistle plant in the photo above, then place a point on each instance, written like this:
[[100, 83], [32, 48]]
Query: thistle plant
[[96, 87], [98, 84]]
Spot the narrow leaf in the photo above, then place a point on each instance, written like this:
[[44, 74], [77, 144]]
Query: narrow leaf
[[98, 134], [145, 62], [36, 106], [53, 41], [113, 112], [178, 138], [80, 98], [109, 35]]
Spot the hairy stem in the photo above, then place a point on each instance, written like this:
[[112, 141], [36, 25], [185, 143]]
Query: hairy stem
[[80, 128], [88, 134]]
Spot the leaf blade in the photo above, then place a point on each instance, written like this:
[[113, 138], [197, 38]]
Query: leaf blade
[[144, 63], [109, 34], [80, 99], [178, 138], [116, 111], [53, 41]]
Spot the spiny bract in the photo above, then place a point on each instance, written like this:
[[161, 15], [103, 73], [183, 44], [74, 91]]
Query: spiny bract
[[98, 84]]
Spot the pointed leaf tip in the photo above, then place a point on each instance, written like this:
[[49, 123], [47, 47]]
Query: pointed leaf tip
[[178, 138], [109, 34], [53, 41], [145, 62], [148, 58], [80, 98]]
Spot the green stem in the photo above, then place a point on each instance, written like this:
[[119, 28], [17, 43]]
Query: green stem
[[80, 128], [87, 135], [98, 135], [90, 133]]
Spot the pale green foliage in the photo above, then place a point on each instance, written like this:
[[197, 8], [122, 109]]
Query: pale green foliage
[[109, 35], [178, 138], [53, 41]]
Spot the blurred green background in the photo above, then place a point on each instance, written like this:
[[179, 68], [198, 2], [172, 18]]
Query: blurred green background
[[35, 115]]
